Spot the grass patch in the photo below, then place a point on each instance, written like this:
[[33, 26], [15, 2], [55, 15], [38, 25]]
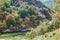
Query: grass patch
[[8, 35]]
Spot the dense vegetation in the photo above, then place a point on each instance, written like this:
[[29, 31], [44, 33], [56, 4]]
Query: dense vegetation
[[21, 16], [16, 17]]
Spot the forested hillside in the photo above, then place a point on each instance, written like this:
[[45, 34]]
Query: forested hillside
[[17, 16], [30, 17]]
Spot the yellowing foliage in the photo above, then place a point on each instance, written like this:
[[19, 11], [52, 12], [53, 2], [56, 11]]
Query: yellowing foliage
[[15, 13], [58, 1], [27, 20], [58, 14], [57, 19], [0, 0]]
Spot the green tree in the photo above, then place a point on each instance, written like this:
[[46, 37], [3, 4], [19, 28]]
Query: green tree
[[7, 5]]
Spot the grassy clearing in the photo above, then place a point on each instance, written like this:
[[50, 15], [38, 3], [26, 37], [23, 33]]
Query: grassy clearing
[[12, 35]]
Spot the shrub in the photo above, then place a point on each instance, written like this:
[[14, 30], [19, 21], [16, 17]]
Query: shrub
[[3, 25], [41, 29], [56, 20], [26, 11], [7, 5], [23, 13], [50, 28], [2, 17], [33, 33], [46, 13], [3, 8], [10, 20], [14, 3], [9, 10]]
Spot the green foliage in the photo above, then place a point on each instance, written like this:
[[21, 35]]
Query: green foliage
[[3, 25], [38, 31], [14, 3], [10, 20], [31, 34], [26, 11], [56, 20], [42, 37], [3, 8], [30, 16], [41, 29], [2, 17], [7, 5], [31, 10], [45, 12], [23, 13], [31, 13], [51, 28], [9, 10]]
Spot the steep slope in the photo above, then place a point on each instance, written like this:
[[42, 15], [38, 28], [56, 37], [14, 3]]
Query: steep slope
[[36, 3]]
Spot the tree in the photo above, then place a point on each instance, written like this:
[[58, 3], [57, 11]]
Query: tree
[[10, 20], [14, 3], [57, 2], [2, 16], [3, 8], [31, 11], [46, 13], [56, 20], [7, 5], [23, 13]]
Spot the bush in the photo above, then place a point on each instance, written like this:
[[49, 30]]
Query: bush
[[7, 5], [10, 20], [2, 16], [3, 8], [33, 33], [41, 29], [14, 3], [50, 28], [3, 25], [23, 13], [9, 10], [45, 12], [56, 20]]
